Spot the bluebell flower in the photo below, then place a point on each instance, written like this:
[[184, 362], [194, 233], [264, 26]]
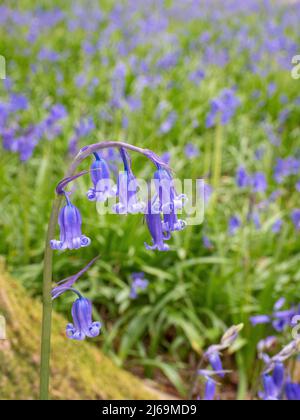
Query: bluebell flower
[[234, 225], [280, 319], [85, 127], [57, 112], [166, 158], [18, 103], [139, 283], [207, 242], [205, 192], [82, 326], [70, 229], [285, 168], [259, 182], [242, 177], [223, 108], [155, 226], [259, 153], [191, 151], [260, 319], [167, 199], [216, 363], [292, 391], [171, 223], [102, 184], [272, 87], [270, 390], [127, 190], [256, 219], [296, 218], [277, 226], [169, 122], [279, 376], [197, 76], [210, 390]]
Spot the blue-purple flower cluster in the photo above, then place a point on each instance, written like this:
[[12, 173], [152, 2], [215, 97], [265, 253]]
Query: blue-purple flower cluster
[[280, 319], [23, 141], [277, 376], [160, 213], [213, 357]]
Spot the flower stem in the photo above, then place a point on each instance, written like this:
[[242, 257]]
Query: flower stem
[[47, 304]]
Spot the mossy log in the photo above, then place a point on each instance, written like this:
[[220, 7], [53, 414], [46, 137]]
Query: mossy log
[[78, 369]]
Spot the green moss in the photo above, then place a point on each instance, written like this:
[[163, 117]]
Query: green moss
[[79, 371]]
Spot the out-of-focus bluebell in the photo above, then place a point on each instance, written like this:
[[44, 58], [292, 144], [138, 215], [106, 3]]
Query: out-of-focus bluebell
[[296, 218], [223, 108], [191, 151], [139, 283], [234, 225]]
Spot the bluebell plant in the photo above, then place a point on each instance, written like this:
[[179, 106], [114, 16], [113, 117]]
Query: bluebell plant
[[160, 214], [212, 357], [276, 378]]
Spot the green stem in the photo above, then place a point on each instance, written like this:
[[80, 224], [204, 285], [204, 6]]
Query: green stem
[[25, 206], [47, 304], [217, 171]]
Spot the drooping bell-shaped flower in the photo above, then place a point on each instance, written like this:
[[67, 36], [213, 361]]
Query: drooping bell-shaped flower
[[139, 283], [270, 389], [292, 391], [216, 363], [210, 390], [167, 199], [171, 222], [102, 184], [127, 190], [82, 326], [278, 375], [155, 226], [70, 222]]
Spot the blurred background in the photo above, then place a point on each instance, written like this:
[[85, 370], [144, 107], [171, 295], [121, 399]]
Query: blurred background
[[210, 86]]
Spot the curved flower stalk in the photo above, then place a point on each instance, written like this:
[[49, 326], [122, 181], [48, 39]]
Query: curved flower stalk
[[71, 237], [212, 356]]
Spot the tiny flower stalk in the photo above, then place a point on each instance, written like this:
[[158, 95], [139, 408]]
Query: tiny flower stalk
[[160, 224]]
